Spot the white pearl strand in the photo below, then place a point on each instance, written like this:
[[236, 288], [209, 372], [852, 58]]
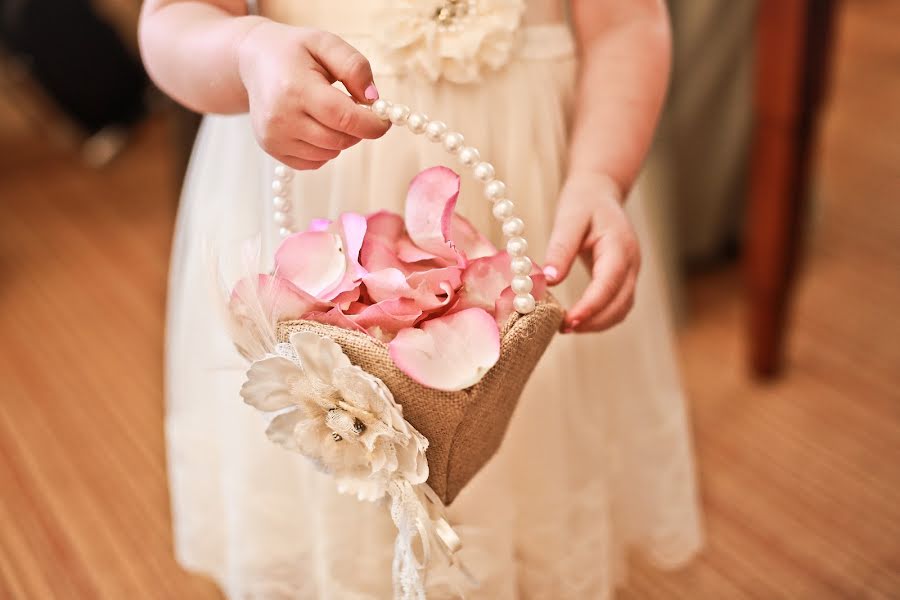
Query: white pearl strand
[[454, 143], [281, 187]]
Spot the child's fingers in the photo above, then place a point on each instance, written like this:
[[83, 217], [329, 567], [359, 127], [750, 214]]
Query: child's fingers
[[336, 110], [616, 311], [345, 64], [310, 130], [300, 164], [306, 151], [275, 135], [607, 277]]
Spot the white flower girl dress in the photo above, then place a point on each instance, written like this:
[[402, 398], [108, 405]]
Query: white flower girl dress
[[597, 459]]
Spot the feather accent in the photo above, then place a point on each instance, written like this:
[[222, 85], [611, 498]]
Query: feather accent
[[250, 322], [258, 302]]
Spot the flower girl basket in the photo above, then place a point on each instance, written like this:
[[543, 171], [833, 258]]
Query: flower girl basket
[[460, 430], [465, 428]]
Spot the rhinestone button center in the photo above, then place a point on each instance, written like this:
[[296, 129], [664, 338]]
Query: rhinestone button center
[[449, 13]]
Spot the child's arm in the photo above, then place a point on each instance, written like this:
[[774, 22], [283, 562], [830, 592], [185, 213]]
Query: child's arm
[[212, 57], [625, 52]]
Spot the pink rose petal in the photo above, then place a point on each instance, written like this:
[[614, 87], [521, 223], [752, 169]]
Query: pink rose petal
[[376, 255], [387, 245], [384, 319], [486, 285], [345, 299], [437, 280], [355, 308], [336, 318], [408, 252], [319, 225], [384, 226], [448, 353], [441, 304], [353, 230], [429, 207], [469, 240], [386, 284], [392, 283], [323, 263], [312, 260], [504, 307], [483, 281]]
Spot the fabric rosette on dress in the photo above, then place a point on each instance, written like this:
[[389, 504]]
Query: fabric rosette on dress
[[456, 40]]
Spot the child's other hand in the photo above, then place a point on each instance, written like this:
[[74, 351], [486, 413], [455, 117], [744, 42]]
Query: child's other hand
[[591, 222], [297, 115]]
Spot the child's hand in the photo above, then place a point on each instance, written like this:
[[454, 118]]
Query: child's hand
[[591, 222], [297, 116]]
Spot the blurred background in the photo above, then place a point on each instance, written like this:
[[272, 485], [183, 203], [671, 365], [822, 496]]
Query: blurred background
[[775, 179]]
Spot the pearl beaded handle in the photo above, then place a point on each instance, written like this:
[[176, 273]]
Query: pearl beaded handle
[[454, 143]]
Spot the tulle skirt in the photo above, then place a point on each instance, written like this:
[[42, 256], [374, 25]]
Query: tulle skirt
[[597, 459]]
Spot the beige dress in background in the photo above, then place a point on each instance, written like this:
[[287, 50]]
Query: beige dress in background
[[597, 460]]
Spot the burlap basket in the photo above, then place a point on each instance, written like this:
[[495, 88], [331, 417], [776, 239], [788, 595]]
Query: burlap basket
[[464, 428]]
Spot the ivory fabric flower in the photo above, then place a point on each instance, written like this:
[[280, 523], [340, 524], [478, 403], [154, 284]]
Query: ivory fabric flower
[[457, 40], [334, 413]]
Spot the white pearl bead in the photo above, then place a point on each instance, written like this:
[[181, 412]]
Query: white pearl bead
[[279, 187], [503, 209], [284, 232], [524, 304], [284, 173], [453, 141], [517, 246], [417, 122], [522, 284], [380, 108], [513, 227], [436, 130], [398, 114], [282, 218], [495, 190], [484, 171], [520, 265], [469, 156], [281, 203]]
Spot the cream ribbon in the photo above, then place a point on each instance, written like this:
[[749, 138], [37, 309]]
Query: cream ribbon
[[419, 515]]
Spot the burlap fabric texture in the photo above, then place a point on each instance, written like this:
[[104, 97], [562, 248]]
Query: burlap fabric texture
[[464, 428]]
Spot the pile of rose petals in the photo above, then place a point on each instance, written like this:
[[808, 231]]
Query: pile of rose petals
[[429, 285]]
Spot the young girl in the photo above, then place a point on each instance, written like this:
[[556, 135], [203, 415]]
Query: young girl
[[562, 99]]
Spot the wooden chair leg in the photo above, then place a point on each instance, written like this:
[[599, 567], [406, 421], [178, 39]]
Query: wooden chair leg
[[792, 43]]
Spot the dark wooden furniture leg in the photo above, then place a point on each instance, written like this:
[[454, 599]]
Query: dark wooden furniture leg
[[791, 64]]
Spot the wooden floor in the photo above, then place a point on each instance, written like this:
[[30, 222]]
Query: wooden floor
[[800, 478]]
